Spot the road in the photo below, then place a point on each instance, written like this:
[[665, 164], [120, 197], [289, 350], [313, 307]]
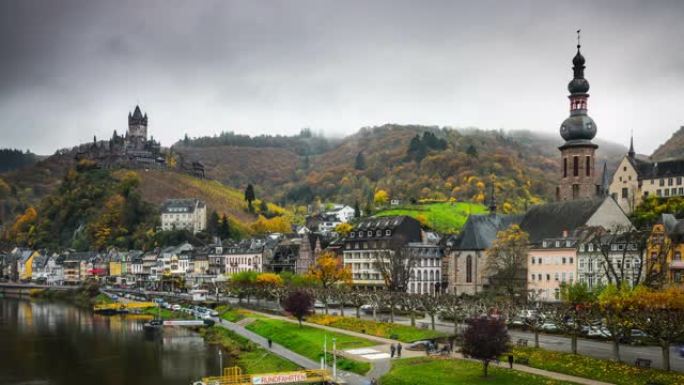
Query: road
[[588, 347]]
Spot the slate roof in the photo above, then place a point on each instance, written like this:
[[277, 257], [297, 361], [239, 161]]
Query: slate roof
[[181, 205], [480, 231], [550, 220], [649, 170]]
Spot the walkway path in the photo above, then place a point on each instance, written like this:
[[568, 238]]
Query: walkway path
[[349, 378], [381, 367]]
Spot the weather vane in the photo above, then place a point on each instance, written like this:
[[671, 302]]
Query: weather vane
[[578, 37]]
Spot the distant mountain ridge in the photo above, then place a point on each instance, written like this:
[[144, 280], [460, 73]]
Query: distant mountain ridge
[[672, 148]]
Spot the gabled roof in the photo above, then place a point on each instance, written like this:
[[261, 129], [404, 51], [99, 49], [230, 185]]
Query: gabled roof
[[551, 219], [647, 169], [480, 230]]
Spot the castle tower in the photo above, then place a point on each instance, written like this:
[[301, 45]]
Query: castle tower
[[137, 129], [578, 152]]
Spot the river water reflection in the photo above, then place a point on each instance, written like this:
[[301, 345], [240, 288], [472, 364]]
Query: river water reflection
[[55, 343]]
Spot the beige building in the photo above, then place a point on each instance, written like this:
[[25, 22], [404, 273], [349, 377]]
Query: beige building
[[184, 214], [637, 178], [550, 264]]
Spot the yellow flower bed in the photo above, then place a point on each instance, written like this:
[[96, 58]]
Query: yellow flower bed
[[379, 329]]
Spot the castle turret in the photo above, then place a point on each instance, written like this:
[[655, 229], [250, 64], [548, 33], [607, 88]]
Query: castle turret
[[578, 151], [137, 129]]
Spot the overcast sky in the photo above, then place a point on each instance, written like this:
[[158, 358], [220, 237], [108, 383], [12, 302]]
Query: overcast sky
[[73, 69]]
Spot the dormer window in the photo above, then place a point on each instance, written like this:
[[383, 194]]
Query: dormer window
[[370, 233], [378, 233], [388, 232], [351, 235]]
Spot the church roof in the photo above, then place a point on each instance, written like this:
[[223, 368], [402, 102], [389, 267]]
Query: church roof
[[480, 231], [551, 219], [137, 114]]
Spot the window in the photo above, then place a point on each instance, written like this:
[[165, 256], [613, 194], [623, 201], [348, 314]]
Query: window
[[533, 260], [681, 191], [565, 167], [548, 277], [659, 192], [669, 181], [625, 193], [533, 277], [679, 180], [564, 260], [674, 191], [539, 277], [677, 256], [587, 165], [661, 182], [667, 192], [469, 269], [556, 277], [575, 166], [572, 260], [388, 232], [351, 235]]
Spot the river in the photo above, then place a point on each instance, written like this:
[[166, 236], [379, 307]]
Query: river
[[59, 344]]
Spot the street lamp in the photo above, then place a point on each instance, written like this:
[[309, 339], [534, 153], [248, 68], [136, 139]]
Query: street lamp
[[220, 362], [334, 351]]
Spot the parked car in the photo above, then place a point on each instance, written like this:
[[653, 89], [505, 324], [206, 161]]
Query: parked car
[[549, 327], [175, 307]]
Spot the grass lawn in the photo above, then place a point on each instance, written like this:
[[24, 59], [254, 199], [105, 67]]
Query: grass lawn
[[308, 341], [430, 371], [444, 217], [247, 355], [103, 299], [167, 314], [402, 333], [231, 314], [594, 368]]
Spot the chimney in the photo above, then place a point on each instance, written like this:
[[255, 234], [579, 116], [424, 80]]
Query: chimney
[[565, 233]]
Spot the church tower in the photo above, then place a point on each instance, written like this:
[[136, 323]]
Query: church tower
[[137, 129], [578, 152]]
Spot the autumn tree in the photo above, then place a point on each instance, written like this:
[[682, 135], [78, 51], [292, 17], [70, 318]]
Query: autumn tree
[[357, 298], [268, 284], [485, 339], [431, 305], [328, 271], [278, 224], [343, 229], [660, 314], [506, 263], [299, 303], [575, 311], [250, 197], [613, 305], [243, 284], [619, 251], [381, 197]]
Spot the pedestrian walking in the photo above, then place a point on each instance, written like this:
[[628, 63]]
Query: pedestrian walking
[[510, 360], [392, 350], [270, 343], [399, 350], [374, 381]]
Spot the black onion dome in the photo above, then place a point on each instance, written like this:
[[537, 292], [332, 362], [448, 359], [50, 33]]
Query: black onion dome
[[578, 127], [578, 86], [578, 60]]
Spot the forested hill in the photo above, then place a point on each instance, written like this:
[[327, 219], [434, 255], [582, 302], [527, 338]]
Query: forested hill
[[672, 148], [408, 161], [11, 159]]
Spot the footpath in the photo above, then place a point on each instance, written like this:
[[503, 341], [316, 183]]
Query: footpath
[[381, 367]]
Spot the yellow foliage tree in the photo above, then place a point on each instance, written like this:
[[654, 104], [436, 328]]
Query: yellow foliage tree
[[343, 229], [23, 229], [265, 225], [381, 197], [4, 188], [269, 280], [329, 270], [109, 225]]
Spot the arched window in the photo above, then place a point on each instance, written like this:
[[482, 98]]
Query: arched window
[[469, 269], [588, 165]]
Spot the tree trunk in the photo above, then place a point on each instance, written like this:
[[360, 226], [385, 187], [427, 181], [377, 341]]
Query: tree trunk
[[485, 366], [326, 307], [616, 349], [455, 326], [342, 309], [573, 343], [391, 313], [432, 321], [536, 338], [665, 346], [413, 318], [375, 314], [358, 312]]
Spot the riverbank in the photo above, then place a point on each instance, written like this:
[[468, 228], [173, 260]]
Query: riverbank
[[81, 296]]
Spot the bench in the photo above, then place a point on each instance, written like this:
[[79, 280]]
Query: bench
[[522, 342], [642, 363]]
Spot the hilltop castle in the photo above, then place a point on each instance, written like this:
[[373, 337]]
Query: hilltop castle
[[133, 150]]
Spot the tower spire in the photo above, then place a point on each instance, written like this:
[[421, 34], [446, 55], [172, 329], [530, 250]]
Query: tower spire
[[631, 152]]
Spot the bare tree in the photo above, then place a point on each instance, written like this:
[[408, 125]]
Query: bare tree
[[357, 299], [536, 317], [411, 303], [507, 261], [620, 250], [396, 265], [431, 304]]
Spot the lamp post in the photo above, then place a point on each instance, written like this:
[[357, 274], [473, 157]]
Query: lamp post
[[220, 362], [334, 351]]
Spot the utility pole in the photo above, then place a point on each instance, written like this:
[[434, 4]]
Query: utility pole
[[334, 351], [220, 363]]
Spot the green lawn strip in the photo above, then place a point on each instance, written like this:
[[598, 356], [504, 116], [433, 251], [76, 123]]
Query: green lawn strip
[[230, 314], [430, 371], [402, 333], [594, 368], [103, 299], [308, 341], [444, 217], [167, 314], [249, 356]]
